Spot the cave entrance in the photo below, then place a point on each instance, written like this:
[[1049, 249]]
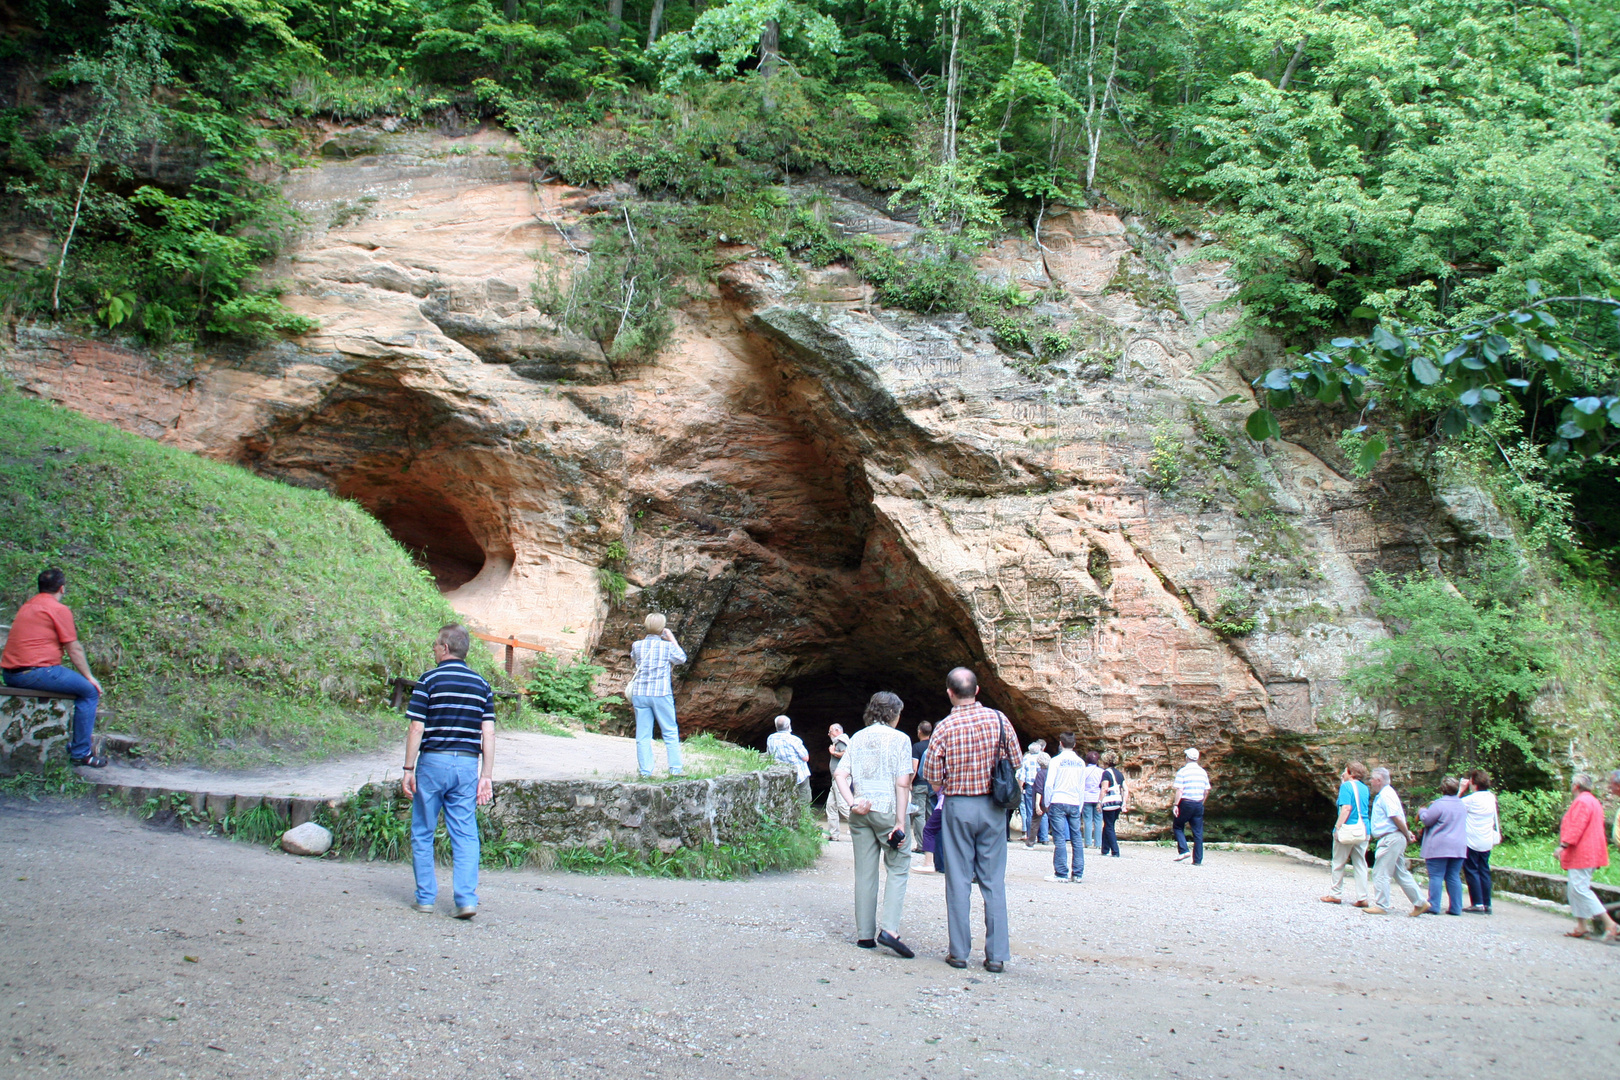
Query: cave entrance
[[433, 531]]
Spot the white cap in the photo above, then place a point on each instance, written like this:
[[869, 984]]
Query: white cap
[[1192, 753]]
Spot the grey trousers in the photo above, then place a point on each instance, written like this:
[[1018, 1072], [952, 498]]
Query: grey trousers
[[974, 832], [870, 834], [802, 790], [1391, 859]]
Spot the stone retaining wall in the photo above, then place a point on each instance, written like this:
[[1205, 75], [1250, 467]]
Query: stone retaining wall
[[645, 817], [33, 732], [558, 813]]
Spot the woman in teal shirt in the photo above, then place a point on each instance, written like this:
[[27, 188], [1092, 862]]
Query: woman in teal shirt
[[1350, 835]]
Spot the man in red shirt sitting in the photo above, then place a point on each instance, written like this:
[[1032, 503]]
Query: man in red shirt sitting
[[32, 660]]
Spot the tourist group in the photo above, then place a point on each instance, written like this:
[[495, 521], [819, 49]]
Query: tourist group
[[957, 787]]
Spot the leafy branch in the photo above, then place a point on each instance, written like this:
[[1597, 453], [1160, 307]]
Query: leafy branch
[[1457, 376]]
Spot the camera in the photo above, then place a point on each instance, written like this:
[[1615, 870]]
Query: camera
[[897, 838]]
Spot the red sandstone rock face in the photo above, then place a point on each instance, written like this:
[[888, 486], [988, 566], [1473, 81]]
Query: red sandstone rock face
[[828, 499]]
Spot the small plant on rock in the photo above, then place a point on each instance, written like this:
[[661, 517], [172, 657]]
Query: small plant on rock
[[569, 690]]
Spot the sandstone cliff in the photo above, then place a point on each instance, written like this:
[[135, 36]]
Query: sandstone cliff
[[828, 498]]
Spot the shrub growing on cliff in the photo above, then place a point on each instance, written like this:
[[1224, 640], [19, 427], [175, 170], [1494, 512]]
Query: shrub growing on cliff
[[1463, 654], [569, 690]]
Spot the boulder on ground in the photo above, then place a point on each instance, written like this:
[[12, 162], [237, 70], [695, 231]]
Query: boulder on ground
[[307, 839]]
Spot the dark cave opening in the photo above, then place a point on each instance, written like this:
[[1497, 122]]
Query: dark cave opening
[[436, 535], [838, 695]]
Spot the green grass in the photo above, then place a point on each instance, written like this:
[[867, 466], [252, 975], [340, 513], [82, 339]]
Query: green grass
[[704, 756], [231, 619], [770, 847], [56, 779], [1541, 854]]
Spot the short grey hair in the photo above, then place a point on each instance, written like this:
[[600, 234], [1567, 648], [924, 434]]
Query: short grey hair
[[783, 723], [1582, 781], [1381, 773], [1614, 777]]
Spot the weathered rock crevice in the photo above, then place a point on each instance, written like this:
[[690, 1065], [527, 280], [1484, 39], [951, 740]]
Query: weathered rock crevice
[[828, 498]]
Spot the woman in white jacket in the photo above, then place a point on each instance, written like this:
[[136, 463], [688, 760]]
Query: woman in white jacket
[[1484, 829]]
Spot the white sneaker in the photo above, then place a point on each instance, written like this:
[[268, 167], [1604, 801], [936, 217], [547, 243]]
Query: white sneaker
[[1054, 877], [1184, 856]]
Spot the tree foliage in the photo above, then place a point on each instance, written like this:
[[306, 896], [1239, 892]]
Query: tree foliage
[[1465, 654]]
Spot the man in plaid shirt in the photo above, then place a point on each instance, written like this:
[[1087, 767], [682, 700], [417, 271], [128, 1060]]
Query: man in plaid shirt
[[652, 694], [964, 747]]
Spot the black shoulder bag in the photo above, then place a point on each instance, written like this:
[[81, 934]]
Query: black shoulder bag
[[1005, 790]]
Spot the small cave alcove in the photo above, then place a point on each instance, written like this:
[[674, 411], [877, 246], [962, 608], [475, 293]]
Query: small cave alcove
[[433, 531]]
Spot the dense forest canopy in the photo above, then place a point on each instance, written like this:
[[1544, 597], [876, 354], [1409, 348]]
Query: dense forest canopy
[[1386, 173]]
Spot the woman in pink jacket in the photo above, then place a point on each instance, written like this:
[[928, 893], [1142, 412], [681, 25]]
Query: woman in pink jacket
[[1582, 848]]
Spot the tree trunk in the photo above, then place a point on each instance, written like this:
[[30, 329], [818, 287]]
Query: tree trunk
[[953, 85], [511, 12], [615, 19], [1293, 63], [78, 203], [653, 20], [770, 54]]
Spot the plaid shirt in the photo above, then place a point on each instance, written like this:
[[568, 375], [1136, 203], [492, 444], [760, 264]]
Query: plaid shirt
[[965, 746], [653, 657]]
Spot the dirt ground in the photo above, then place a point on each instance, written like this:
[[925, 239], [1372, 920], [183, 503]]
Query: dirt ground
[[134, 952]]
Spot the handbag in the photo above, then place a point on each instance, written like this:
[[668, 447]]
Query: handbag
[[1352, 833], [1005, 791]]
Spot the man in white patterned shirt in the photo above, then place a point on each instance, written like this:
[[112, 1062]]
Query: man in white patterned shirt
[[874, 776], [652, 694], [788, 749], [1192, 788]]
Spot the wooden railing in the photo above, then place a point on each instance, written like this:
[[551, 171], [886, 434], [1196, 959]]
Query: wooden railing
[[510, 643]]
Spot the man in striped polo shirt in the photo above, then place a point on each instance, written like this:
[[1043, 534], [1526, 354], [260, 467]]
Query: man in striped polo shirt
[[1192, 788], [452, 731]]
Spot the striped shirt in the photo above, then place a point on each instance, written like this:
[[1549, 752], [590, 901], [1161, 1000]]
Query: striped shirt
[[965, 746], [653, 658], [452, 703], [1193, 782]]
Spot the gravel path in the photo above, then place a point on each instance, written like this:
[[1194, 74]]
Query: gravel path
[[134, 952], [519, 755]]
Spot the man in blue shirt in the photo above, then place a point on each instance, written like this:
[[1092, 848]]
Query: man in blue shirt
[[452, 731]]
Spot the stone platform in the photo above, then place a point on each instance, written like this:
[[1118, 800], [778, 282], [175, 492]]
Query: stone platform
[[563, 792]]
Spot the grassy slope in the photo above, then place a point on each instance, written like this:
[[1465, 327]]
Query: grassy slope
[[230, 618]]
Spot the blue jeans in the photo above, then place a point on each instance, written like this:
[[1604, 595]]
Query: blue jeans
[[64, 680], [1448, 872], [1091, 825], [1065, 819], [1191, 814], [661, 708], [1042, 831], [448, 782]]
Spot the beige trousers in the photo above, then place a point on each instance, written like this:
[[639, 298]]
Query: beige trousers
[[1355, 855]]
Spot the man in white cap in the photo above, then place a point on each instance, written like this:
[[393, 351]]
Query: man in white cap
[[1192, 788], [788, 749]]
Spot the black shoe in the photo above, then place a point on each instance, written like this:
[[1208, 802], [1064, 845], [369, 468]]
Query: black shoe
[[866, 943], [94, 761], [889, 941], [994, 967], [955, 963]]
